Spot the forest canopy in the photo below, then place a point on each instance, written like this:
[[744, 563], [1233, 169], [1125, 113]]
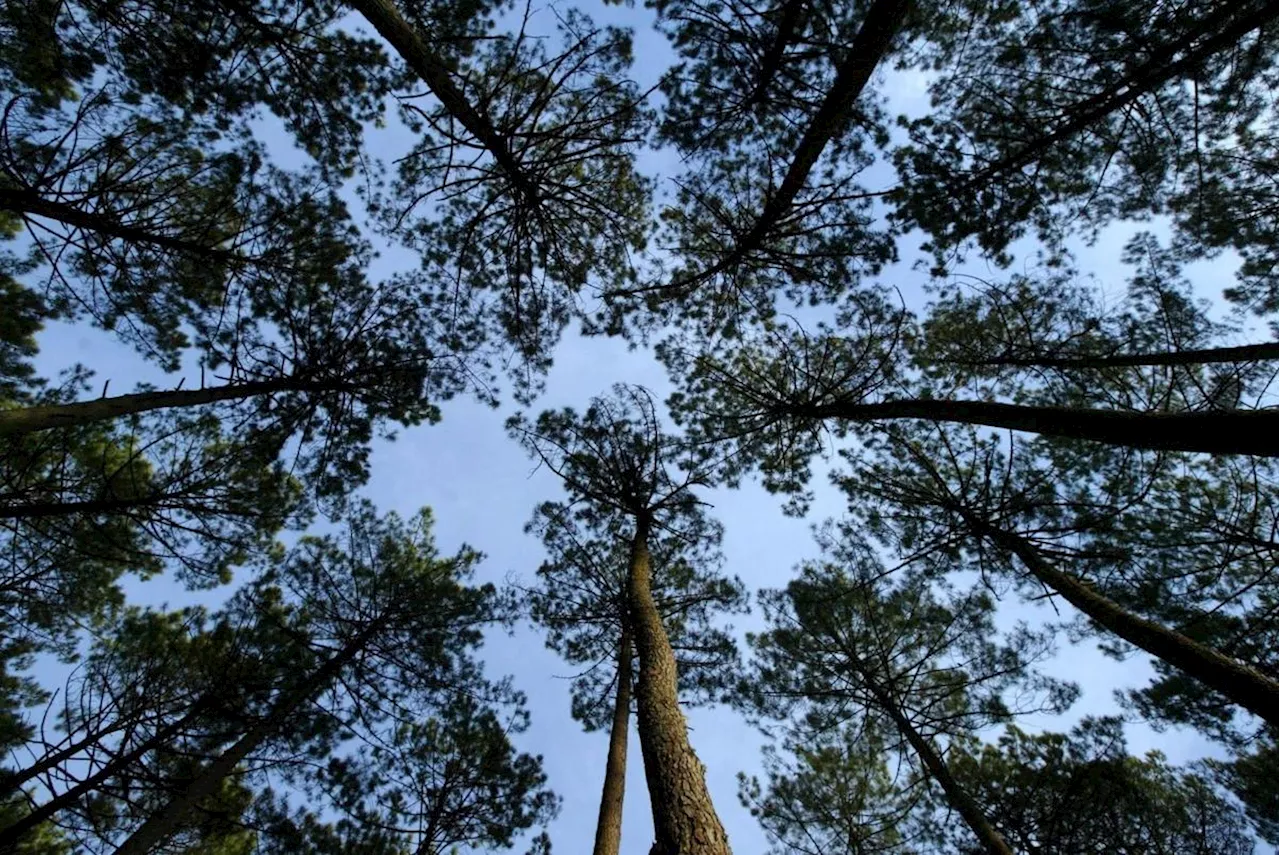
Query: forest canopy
[[982, 293]]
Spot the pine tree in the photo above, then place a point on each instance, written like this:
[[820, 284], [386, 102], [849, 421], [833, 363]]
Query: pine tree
[[915, 667], [581, 599], [614, 459]]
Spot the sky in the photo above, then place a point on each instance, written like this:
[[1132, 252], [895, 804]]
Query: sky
[[483, 488]]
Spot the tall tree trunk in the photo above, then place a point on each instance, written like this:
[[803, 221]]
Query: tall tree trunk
[[1267, 351], [609, 824], [42, 510], [684, 818], [31, 419], [771, 62], [1219, 432], [416, 52], [958, 797], [12, 781], [169, 819], [1148, 77], [1242, 685], [883, 20]]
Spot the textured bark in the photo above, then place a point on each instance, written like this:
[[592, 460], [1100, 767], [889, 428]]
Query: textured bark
[[170, 818], [1242, 685], [958, 797], [1205, 356], [684, 818], [1214, 432], [609, 824], [31, 419]]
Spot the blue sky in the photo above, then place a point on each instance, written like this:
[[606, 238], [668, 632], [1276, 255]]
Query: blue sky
[[483, 489]]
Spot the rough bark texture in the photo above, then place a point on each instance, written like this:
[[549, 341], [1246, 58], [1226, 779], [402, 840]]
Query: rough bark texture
[[684, 818], [1215, 432], [162, 824], [1238, 682], [958, 797], [609, 824]]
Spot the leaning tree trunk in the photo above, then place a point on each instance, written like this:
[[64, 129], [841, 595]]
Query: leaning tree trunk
[[1203, 356], [1215, 432], [170, 818], [970, 811], [24, 420], [1239, 683], [684, 818], [609, 825]]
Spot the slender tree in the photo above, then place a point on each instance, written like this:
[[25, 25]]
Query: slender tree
[[326, 649], [836, 794], [614, 458]]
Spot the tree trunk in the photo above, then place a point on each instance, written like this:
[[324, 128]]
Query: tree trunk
[[1148, 77], [1204, 356], [684, 818], [169, 819], [1221, 432], [1238, 682], [42, 510], [882, 21], [959, 798], [609, 824], [31, 419], [32, 203], [409, 44], [16, 780], [771, 63]]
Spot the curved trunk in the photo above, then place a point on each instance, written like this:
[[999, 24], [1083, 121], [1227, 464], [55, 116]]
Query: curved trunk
[[1242, 685], [1222, 432], [609, 824], [959, 798], [684, 818]]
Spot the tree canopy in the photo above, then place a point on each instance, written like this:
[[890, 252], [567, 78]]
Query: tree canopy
[[991, 285]]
